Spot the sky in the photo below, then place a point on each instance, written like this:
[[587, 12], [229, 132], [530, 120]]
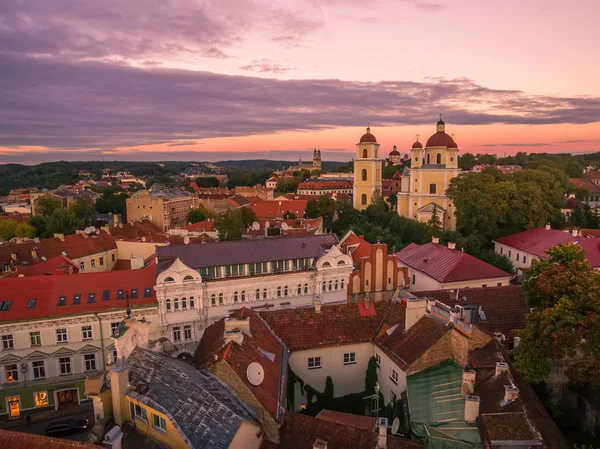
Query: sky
[[210, 80]]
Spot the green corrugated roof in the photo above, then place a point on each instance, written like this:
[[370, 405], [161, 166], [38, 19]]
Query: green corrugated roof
[[437, 408]]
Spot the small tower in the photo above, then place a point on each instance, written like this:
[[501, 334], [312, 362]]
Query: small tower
[[367, 171], [317, 159]]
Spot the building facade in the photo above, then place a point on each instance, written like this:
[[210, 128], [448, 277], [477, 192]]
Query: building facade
[[317, 187], [423, 189], [166, 209], [367, 171]]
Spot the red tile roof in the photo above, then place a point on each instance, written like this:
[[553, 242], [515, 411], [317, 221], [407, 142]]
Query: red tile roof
[[447, 265], [592, 174], [75, 246], [134, 232], [239, 356], [572, 202], [10, 439], [349, 420], [585, 232], [538, 240], [357, 246], [276, 209], [208, 225], [324, 185], [582, 183], [47, 291], [56, 265], [505, 308], [334, 325]]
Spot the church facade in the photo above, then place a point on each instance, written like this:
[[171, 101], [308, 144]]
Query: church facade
[[367, 171], [423, 186], [315, 165]]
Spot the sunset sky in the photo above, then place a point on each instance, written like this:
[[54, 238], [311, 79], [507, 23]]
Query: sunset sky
[[240, 79]]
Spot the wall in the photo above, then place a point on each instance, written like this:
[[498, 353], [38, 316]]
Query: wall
[[141, 206], [346, 378], [171, 437], [109, 259], [384, 373], [247, 437], [129, 250], [425, 283], [525, 259]]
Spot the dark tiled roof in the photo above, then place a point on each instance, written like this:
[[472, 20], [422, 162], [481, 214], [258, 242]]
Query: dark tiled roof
[[491, 390], [246, 251], [10, 439], [510, 427], [447, 265], [349, 420], [203, 409], [335, 325], [504, 307]]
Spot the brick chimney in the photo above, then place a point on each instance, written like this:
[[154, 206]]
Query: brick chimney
[[435, 239], [575, 232], [501, 367], [471, 408], [119, 384], [415, 307], [547, 226], [468, 383], [382, 425], [452, 245], [510, 393]]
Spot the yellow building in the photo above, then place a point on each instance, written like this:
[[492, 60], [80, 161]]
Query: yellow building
[[423, 187], [367, 171]]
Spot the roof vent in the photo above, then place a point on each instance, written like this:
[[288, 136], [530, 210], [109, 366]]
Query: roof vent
[[501, 367], [319, 444], [255, 373]]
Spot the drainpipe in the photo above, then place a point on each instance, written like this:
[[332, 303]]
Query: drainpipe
[[102, 344]]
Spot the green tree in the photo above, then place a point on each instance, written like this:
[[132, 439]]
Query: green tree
[[564, 291], [371, 376], [8, 229], [289, 215], [312, 209], [393, 200], [231, 225], [45, 205], [466, 161], [40, 224], [324, 207], [84, 210], [248, 216], [196, 215], [207, 182], [62, 221], [287, 185], [435, 222]]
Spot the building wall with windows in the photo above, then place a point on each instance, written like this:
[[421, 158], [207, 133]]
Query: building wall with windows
[[421, 282], [391, 379], [519, 258], [95, 263], [367, 171], [153, 423]]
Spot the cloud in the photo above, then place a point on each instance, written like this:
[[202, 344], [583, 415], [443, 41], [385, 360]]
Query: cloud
[[542, 144], [266, 66], [429, 6], [66, 105]]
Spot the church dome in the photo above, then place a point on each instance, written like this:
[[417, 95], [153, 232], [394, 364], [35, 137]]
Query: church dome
[[368, 137], [441, 139], [394, 152], [417, 145]]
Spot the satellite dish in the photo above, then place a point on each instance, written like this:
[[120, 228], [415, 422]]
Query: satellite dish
[[143, 239], [267, 224], [87, 230], [255, 373], [186, 240], [395, 426], [93, 228], [256, 225], [97, 231], [284, 226]]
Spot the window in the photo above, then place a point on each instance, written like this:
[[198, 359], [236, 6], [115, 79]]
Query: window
[[432, 189], [64, 364], [323, 286], [114, 327], [62, 300], [192, 302], [147, 293], [188, 278], [438, 159], [414, 280], [105, 295], [176, 304], [377, 359], [113, 257], [11, 372], [61, 336], [235, 297], [363, 199], [121, 294], [220, 299], [264, 293], [350, 358], [101, 261], [35, 338], [8, 342], [41, 398], [187, 332], [257, 294], [39, 369], [177, 333], [365, 153], [31, 303], [501, 250], [134, 293], [93, 263], [86, 333], [394, 376], [285, 291], [243, 295], [518, 257], [183, 303], [89, 361], [509, 253], [213, 300], [138, 412], [169, 279], [314, 362], [342, 286], [330, 285], [168, 305], [82, 266], [524, 259], [279, 292], [306, 289], [499, 284], [336, 286], [91, 298], [159, 423], [364, 174], [484, 285]]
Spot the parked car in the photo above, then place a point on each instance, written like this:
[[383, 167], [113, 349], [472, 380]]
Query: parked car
[[66, 427]]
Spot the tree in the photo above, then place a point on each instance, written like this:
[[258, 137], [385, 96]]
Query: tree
[[324, 207], [84, 210], [196, 215], [40, 224], [231, 226], [393, 200], [466, 161], [289, 215], [287, 185], [207, 182], [62, 221], [435, 222], [312, 209], [8, 229], [248, 216], [371, 376], [564, 291], [46, 205]]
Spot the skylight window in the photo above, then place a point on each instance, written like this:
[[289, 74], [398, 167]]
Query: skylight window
[[91, 297], [134, 293], [62, 300], [31, 303], [120, 294], [5, 306], [105, 295], [77, 298], [64, 253], [147, 293]]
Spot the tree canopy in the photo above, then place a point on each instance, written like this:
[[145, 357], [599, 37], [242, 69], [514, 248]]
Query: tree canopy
[[197, 215], [231, 226], [11, 228]]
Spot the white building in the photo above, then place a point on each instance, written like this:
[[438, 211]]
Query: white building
[[199, 284]]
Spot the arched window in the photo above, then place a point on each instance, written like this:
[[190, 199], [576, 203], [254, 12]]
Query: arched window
[[235, 297], [438, 159], [220, 299], [365, 153], [257, 294], [299, 289], [189, 277], [213, 299], [183, 303], [432, 189], [169, 279], [363, 174], [279, 292], [341, 262], [428, 159], [168, 304], [363, 199], [265, 293], [342, 284], [326, 265], [306, 289], [285, 291], [192, 305], [330, 285], [336, 285], [243, 295], [176, 304]]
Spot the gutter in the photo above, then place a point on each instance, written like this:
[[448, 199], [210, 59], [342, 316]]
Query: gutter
[[102, 345]]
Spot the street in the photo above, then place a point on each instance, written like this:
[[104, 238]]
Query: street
[[38, 427]]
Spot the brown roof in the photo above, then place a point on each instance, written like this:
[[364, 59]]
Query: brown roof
[[334, 325], [441, 139], [134, 232], [503, 427], [277, 208], [491, 390], [368, 137], [505, 308], [10, 439], [349, 420], [301, 431], [582, 183]]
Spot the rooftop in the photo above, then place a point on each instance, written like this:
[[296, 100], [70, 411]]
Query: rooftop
[[447, 265], [277, 208], [10, 439]]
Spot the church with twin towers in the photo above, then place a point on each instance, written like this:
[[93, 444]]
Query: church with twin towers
[[422, 186]]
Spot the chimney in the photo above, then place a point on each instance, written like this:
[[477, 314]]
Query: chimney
[[468, 383], [317, 304], [435, 239], [471, 408], [119, 384], [574, 232], [60, 237], [415, 307], [36, 240], [510, 393], [571, 195], [234, 324], [452, 245], [367, 300], [382, 425], [319, 444], [547, 226], [501, 367]]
